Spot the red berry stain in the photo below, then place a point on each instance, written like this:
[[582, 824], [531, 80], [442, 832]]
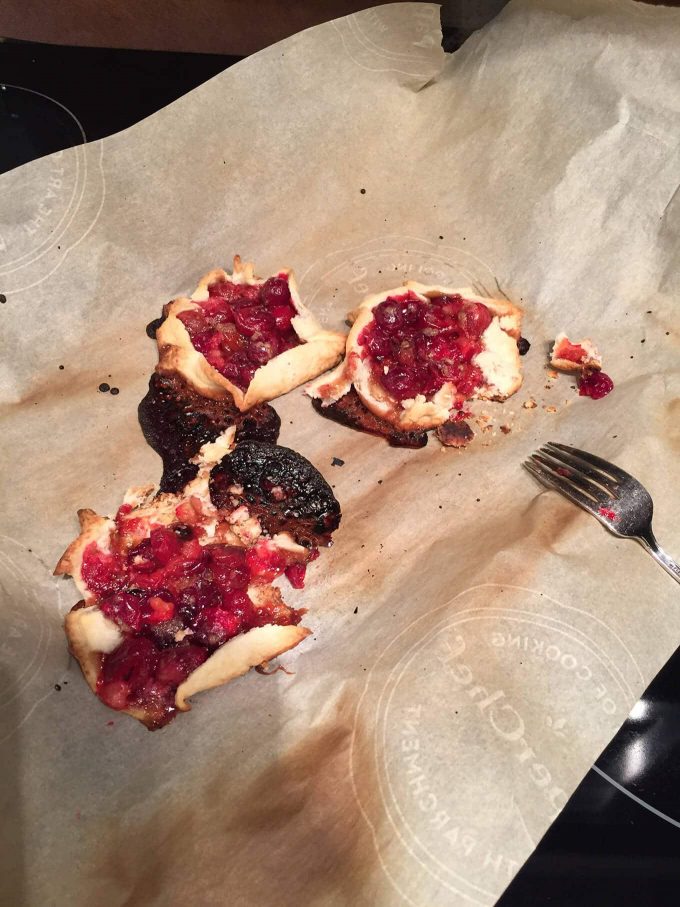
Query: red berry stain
[[610, 514], [241, 327]]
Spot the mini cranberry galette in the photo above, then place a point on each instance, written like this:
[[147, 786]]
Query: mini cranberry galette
[[177, 589], [415, 355], [246, 337]]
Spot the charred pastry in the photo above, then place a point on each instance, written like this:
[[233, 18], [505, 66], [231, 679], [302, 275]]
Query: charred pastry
[[349, 410], [177, 421], [455, 433], [280, 488]]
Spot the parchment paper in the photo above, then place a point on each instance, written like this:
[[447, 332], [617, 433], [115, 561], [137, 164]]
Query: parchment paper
[[477, 641]]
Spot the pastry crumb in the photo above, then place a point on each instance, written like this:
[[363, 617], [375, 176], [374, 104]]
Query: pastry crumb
[[506, 429], [550, 409], [530, 404]]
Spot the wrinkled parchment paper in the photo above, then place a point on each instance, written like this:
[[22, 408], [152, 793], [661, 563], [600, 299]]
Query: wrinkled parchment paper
[[477, 641]]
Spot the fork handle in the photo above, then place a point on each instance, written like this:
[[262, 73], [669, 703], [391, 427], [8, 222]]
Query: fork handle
[[657, 552]]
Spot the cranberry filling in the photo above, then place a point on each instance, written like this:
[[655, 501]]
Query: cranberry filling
[[176, 601], [572, 352], [415, 347], [595, 384], [241, 327]]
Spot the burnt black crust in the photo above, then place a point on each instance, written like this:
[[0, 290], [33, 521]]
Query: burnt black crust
[[349, 410], [281, 488], [177, 421]]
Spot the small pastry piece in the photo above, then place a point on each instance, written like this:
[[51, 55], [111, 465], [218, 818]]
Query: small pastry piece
[[176, 590], [455, 433], [574, 357], [177, 421], [415, 354], [245, 338]]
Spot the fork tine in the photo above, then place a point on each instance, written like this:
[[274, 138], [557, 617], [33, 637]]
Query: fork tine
[[576, 478], [589, 459], [557, 483], [575, 464]]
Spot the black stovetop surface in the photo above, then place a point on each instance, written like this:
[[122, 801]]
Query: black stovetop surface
[[616, 842]]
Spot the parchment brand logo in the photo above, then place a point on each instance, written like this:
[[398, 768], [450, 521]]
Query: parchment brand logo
[[475, 711], [373, 42], [340, 280], [54, 203]]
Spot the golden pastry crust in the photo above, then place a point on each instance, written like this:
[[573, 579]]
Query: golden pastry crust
[[420, 413], [318, 351], [93, 528]]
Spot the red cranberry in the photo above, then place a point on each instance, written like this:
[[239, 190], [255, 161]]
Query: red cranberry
[[125, 609], [164, 545], [101, 572], [194, 598], [252, 319], [595, 384], [128, 668], [295, 574], [474, 318], [283, 315], [400, 383], [388, 315], [263, 349], [275, 291], [265, 562], [413, 313], [237, 602], [379, 345], [176, 663], [195, 322], [214, 627], [115, 693], [141, 558]]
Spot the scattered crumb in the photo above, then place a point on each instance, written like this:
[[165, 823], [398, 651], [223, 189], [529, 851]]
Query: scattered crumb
[[506, 429], [548, 386], [478, 500], [356, 610], [61, 368], [380, 481], [552, 374], [336, 461], [363, 191], [529, 404], [488, 428], [550, 409], [114, 391], [104, 388], [57, 687]]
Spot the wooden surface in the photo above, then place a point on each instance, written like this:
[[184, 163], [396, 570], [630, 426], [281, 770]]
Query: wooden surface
[[237, 27]]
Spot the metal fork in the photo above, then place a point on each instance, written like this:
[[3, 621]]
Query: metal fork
[[611, 495]]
